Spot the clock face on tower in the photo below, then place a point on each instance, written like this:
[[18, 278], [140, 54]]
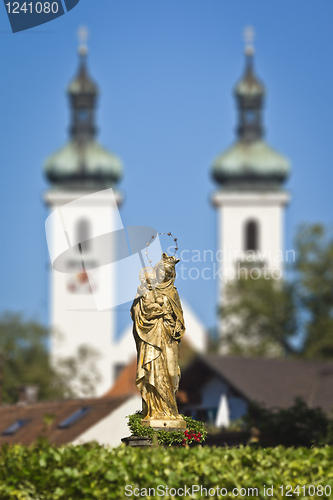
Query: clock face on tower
[[81, 283]]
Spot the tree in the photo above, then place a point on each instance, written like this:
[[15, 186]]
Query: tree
[[314, 281], [298, 425], [81, 371], [25, 361], [259, 317]]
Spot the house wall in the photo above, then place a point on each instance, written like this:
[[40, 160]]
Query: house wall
[[237, 407], [111, 429], [211, 399]]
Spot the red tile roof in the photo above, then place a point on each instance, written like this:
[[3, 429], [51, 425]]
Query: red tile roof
[[45, 418], [125, 383]]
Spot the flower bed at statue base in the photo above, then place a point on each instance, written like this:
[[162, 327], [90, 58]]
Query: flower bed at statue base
[[195, 432]]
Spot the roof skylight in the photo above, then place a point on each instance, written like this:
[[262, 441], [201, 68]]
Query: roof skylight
[[74, 417], [16, 426]]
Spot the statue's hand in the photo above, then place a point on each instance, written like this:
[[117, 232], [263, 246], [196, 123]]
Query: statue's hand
[[168, 316], [155, 313]]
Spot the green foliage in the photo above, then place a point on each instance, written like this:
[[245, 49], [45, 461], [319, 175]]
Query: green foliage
[[259, 317], [294, 426], [195, 432], [262, 315], [314, 266], [23, 347], [90, 471], [81, 370], [24, 360]]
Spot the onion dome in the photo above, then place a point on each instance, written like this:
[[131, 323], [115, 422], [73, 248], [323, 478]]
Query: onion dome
[[83, 163], [250, 163], [82, 83]]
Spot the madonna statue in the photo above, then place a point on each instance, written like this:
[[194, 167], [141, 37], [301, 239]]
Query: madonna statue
[[158, 328]]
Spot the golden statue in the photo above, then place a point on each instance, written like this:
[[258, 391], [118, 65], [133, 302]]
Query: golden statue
[[158, 328]]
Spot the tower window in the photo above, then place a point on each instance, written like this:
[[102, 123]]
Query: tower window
[[82, 115], [251, 235], [83, 233], [250, 116]]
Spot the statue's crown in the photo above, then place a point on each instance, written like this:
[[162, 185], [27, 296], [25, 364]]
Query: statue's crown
[[169, 260]]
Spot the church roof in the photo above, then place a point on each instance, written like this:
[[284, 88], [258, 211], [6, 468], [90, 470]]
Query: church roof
[[249, 85], [82, 83], [83, 163], [250, 161], [254, 159], [88, 163]]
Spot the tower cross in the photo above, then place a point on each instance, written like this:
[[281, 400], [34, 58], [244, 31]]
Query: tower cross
[[249, 35], [83, 35]]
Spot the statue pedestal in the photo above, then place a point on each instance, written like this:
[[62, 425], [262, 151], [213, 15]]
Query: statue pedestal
[[136, 441], [165, 425]]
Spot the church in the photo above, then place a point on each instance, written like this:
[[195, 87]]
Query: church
[[250, 199], [83, 179]]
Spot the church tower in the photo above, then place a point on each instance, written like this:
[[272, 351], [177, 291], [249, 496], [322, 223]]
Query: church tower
[[80, 174], [250, 199]]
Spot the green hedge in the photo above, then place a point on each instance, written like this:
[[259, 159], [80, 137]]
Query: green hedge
[[90, 471]]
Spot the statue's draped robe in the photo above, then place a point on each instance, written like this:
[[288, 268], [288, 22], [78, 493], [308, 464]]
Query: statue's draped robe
[[157, 340]]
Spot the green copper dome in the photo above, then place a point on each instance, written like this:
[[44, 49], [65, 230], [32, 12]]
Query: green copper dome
[[88, 164], [250, 162], [83, 163]]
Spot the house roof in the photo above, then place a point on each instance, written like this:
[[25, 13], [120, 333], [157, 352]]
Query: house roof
[[273, 382], [125, 383], [43, 419]]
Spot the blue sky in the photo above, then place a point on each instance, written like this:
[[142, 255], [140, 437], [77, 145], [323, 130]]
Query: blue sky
[[165, 71]]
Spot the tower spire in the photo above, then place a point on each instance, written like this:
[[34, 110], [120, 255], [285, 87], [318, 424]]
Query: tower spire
[[83, 93], [83, 163], [250, 161], [249, 94]]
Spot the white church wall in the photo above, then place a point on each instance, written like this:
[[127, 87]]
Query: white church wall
[[195, 334], [75, 319], [235, 209]]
